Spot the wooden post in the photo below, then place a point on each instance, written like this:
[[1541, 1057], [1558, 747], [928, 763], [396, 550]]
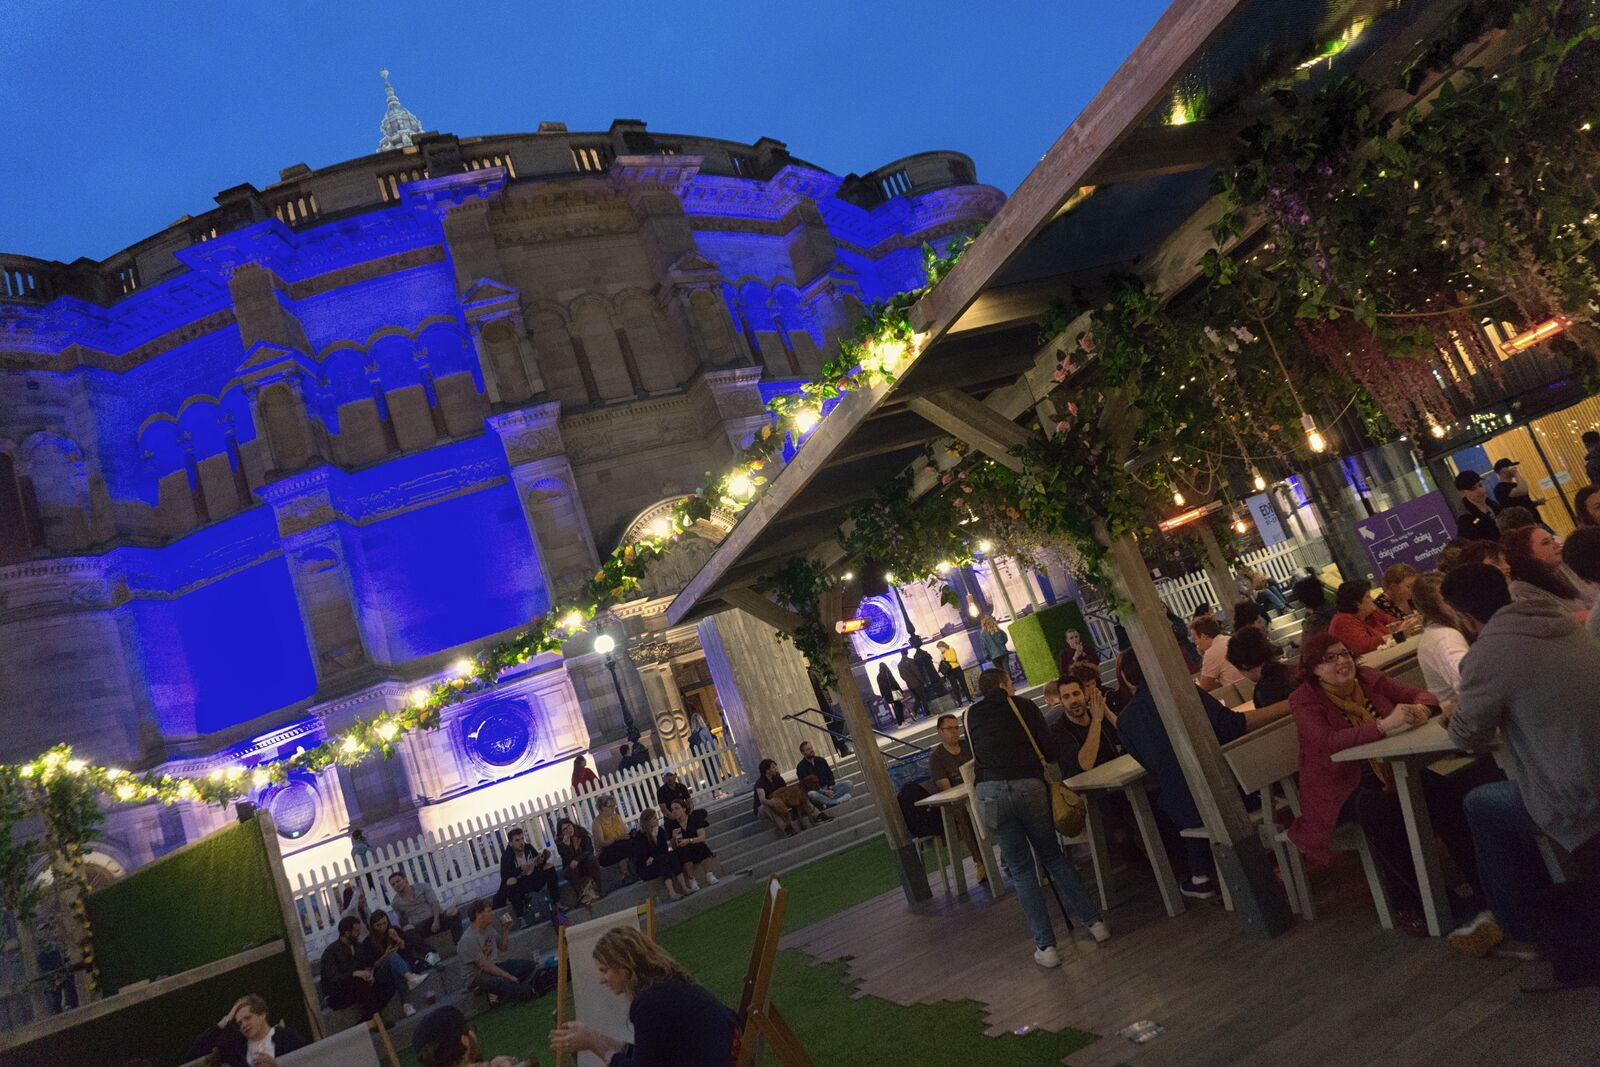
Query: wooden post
[[913, 875], [1217, 570], [1258, 900]]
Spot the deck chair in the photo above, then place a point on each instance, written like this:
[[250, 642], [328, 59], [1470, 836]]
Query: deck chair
[[347, 1048], [578, 982], [758, 1018]]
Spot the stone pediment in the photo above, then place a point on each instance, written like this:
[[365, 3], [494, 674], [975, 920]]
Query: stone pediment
[[692, 263], [487, 294]]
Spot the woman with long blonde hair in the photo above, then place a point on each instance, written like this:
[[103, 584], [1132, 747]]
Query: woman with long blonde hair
[[676, 1022]]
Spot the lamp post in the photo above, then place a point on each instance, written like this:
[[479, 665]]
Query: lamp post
[[606, 646]]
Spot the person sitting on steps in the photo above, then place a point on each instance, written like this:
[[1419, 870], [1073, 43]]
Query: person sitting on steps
[[788, 816], [687, 833], [653, 856]]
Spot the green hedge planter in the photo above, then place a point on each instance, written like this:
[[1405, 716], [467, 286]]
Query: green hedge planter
[[1039, 638]]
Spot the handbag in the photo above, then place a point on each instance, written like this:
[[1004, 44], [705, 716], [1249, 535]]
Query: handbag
[[1067, 809]]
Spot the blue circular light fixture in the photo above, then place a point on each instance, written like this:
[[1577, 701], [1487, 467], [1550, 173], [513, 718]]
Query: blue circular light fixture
[[294, 808], [501, 737]]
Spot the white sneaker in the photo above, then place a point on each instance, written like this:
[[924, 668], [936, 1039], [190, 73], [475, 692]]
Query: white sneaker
[[413, 979], [407, 1010], [694, 886], [1101, 930], [1047, 957], [432, 958], [711, 878]]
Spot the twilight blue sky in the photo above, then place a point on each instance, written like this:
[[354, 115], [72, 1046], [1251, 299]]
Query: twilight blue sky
[[120, 118]]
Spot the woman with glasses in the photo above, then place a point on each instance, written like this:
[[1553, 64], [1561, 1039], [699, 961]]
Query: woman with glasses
[[1338, 706]]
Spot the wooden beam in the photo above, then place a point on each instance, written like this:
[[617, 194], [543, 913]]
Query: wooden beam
[[1116, 110], [753, 603], [1152, 151], [974, 422]]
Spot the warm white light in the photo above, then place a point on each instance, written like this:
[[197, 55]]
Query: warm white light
[[944, 566], [387, 731], [351, 744], [972, 609], [660, 528], [984, 547], [260, 779], [739, 484], [1436, 430], [1314, 439], [113, 773], [572, 620], [888, 576], [1178, 498], [604, 644], [847, 576], [419, 697], [1239, 526], [75, 766], [462, 667], [805, 419], [1259, 482], [125, 791]]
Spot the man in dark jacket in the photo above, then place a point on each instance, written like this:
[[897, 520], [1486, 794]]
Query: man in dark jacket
[[243, 1033], [915, 683], [1511, 489], [523, 872], [345, 983], [930, 673], [827, 791], [1530, 676], [1476, 521]]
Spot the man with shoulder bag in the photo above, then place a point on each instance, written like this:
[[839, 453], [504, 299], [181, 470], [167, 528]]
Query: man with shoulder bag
[[1022, 802]]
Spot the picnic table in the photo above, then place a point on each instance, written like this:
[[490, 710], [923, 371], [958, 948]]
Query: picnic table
[[947, 802], [1408, 753], [1125, 775]]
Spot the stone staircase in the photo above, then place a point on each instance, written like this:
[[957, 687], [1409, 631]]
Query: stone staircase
[[747, 852]]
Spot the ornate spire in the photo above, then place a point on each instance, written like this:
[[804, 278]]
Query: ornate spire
[[399, 126]]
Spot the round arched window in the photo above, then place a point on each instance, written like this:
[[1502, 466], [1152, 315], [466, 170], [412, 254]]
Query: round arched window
[[880, 628]]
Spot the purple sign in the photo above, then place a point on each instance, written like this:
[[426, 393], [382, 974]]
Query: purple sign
[[1414, 533]]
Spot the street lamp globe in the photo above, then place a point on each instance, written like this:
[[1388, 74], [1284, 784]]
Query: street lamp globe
[[604, 644]]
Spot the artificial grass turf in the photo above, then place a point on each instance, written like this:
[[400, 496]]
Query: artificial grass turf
[[818, 1000]]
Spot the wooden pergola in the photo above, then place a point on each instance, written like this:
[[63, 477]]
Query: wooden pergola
[[1125, 190]]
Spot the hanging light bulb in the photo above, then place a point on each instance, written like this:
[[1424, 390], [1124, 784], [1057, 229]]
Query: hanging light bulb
[[1256, 480], [1314, 439], [1178, 498], [1436, 430], [1238, 526], [888, 576], [972, 610]]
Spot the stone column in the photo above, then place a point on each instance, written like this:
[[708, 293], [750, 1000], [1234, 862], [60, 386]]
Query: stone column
[[538, 463], [671, 722], [759, 680], [314, 548]]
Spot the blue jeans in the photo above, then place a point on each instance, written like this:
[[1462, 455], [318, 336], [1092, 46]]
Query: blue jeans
[[823, 800], [1017, 813], [1509, 867]]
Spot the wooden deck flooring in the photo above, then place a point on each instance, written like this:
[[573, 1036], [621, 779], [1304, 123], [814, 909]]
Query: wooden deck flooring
[[1340, 990]]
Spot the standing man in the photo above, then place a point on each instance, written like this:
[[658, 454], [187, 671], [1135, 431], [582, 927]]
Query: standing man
[[944, 771], [1511, 489], [483, 950], [1476, 521], [345, 983], [915, 683], [1591, 456], [930, 674], [827, 791]]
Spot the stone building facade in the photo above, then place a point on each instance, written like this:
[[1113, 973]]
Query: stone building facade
[[271, 468]]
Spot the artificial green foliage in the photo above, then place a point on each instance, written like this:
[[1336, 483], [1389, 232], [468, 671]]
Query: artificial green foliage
[[820, 1002], [162, 1029], [798, 585], [203, 903], [1039, 638]]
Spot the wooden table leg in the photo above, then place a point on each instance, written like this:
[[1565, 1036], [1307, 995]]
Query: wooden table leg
[[1139, 800], [1095, 824], [1419, 831], [952, 844]]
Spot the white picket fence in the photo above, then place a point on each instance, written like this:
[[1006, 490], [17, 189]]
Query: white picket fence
[[462, 861], [1183, 594]]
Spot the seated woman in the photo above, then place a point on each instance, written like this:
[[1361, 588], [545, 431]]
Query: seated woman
[[791, 812], [385, 947], [1534, 556], [1359, 624], [244, 1034], [1395, 598], [686, 832], [578, 860], [1338, 706], [653, 856], [676, 1023], [612, 840], [446, 1039], [1441, 646], [1258, 659]]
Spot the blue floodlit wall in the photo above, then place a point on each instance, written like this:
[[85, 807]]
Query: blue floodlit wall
[[123, 407]]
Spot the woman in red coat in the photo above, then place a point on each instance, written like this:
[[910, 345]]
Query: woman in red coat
[[1338, 706], [1358, 623]]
